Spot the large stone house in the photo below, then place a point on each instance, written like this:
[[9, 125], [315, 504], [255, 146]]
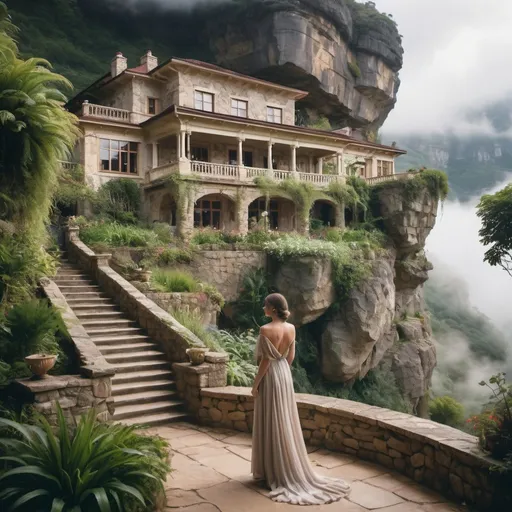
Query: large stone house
[[189, 122]]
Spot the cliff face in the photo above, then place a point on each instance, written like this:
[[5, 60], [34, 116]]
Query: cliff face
[[384, 320], [345, 54]]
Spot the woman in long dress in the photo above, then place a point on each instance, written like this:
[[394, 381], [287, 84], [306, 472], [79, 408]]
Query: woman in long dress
[[279, 455]]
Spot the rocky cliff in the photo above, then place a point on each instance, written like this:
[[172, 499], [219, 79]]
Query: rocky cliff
[[346, 54], [384, 320]]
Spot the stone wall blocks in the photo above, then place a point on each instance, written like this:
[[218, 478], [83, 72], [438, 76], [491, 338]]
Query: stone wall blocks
[[417, 460], [380, 445], [215, 414], [385, 460]]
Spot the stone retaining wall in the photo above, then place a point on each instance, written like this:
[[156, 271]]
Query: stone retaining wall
[[443, 458], [75, 394], [224, 269]]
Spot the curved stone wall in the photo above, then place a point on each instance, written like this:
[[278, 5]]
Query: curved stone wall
[[443, 458]]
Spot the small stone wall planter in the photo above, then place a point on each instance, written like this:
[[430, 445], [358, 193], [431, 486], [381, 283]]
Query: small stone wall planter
[[40, 364], [144, 276], [197, 355]]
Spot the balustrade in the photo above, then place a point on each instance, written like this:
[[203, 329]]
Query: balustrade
[[100, 111]]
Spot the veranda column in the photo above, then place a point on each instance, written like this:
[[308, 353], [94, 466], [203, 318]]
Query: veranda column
[[240, 151], [154, 162], [311, 164], [178, 146], [189, 137], [183, 148], [294, 158], [374, 168], [320, 166], [270, 156], [339, 164]]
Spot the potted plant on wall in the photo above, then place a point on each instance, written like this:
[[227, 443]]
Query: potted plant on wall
[[197, 355], [40, 364]]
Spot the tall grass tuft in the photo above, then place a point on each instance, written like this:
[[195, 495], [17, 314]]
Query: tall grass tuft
[[173, 281]]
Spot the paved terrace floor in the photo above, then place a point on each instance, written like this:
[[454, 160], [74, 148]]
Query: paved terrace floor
[[211, 473]]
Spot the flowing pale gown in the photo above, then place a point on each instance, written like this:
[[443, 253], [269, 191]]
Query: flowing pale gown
[[279, 454]]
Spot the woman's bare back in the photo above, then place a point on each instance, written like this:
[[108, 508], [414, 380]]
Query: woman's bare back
[[280, 334]]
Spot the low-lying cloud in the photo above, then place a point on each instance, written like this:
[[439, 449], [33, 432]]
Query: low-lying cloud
[[176, 5]]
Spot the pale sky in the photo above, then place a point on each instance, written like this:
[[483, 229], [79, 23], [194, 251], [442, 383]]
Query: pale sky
[[458, 55]]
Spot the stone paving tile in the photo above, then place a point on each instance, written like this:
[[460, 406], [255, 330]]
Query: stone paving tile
[[169, 433], [418, 494], [389, 481], [179, 498], [201, 507], [355, 471], [242, 451], [197, 439], [371, 497], [188, 475], [204, 451], [444, 507], [330, 460], [230, 465], [240, 439]]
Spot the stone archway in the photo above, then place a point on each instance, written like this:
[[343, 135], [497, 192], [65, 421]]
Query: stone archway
[[324, 212], [281, 213], [168, 210], [217, 211]]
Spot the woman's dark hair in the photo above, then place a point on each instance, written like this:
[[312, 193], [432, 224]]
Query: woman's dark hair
[[278, 303]]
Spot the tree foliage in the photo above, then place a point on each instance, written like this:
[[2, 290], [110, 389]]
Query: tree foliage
[[35, 133], [495, 211]]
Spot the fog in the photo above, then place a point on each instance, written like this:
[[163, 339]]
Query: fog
[[455, 61], [455, 249], [168, 4]]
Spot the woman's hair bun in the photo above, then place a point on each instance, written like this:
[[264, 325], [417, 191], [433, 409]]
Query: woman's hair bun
[[277, 302]]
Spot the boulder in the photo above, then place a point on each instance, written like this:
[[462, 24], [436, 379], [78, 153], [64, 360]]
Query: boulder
[[347, 60], [356, 339], [307, 285], [412, 271]]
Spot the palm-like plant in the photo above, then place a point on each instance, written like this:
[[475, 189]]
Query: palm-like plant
[[35, 133], [104, 468]]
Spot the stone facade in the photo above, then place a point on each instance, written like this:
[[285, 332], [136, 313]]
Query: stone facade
[[76, 395], [434, 455]]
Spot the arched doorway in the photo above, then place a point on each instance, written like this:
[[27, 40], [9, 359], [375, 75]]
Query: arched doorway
[[168, 210], [215, 211], [324, 212], [281, 213]]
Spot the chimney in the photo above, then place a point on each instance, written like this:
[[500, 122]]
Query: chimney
[[149, 60], [118, 65]]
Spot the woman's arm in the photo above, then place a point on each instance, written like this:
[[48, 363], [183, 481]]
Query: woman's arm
[[291, 354], [262, 370]]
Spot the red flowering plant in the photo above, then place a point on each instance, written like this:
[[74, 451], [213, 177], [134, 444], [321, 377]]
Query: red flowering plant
[[494, 425]]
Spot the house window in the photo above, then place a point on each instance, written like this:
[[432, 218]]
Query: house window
[[274, 115], [239, 108], [207, 213], [118, 156], [256, 208], [199, 154], [204, 101], [384, 168], [152, 105], [233, 158]]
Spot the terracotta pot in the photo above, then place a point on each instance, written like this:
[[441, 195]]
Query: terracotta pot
[[144, 275], [197, 355], [40, 364]]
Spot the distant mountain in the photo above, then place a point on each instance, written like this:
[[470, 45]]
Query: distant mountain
[[473, 163]]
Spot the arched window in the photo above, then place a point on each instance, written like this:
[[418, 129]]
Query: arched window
[[207, 213], [256, 208]]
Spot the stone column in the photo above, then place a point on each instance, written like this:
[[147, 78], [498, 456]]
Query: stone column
[[240, 151], [311, 164], [189, 137], [183, 148], [178, 146], [269, 155], [374, 168], [339, 164], [185, 218], [320, 166], [293, 166], [340, 216], [154, 162]]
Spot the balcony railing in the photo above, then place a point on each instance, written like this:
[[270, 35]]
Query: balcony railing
[[102, 112], [162, 171], [222, 171], [392, 177]]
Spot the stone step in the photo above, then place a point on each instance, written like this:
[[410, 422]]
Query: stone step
[[85, 295], [71, 274], [139, 386], [70, 277], [88, 315], [74, 301], [145, 397], [113, 330], [135, 357], [78, 288], [121, 323], [100, 308], [154, 420], [111, 340], [142, 377], [138, 410], [74, 282], [124, 348], [138, 367]]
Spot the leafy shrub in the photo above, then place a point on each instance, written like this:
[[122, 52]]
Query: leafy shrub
[[72, 187], [120, 200], [31, 327], [248, 308], [208, 236], [100, 467], [334, 235], [315, 224], [114, 234], [163, 232], [213, 294], [194, 323], [258, 237], [169, 281], [446, 410], [241, 348], [172, 256], [354, 69]]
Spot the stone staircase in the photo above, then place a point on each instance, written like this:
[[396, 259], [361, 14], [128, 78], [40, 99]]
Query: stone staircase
[[143, 388]]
